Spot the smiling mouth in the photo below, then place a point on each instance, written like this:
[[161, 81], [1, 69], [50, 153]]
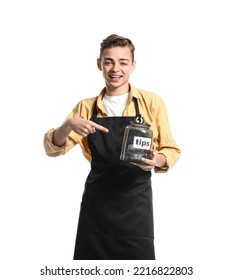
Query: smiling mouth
[[115, 76]]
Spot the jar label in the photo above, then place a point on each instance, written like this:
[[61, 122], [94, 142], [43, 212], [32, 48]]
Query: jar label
[[141, 143]]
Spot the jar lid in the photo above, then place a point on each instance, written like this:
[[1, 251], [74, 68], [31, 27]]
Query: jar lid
[[139, 124]]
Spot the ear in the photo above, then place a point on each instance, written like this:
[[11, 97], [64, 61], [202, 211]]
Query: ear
[[99, 64], [133, 66]]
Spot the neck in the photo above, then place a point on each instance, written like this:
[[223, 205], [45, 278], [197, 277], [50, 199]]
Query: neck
[[117, 91]]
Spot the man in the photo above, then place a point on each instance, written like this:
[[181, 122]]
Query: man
[[116, 215]]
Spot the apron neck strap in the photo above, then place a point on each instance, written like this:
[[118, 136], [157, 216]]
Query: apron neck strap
[[138, 115]]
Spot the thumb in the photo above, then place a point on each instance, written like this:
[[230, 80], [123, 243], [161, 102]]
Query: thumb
[[155, 152]]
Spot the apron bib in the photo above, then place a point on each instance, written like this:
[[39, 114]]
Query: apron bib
[[116, 215]]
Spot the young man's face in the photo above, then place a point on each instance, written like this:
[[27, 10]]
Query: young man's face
[[117, 65]]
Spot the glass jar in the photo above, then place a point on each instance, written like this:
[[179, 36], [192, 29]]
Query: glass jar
[[137, 142]]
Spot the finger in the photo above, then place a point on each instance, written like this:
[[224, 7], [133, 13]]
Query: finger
[[93, 130], [89, 129], [147, 161], [143, 166], [84, 134], [154, 153], [85, 131], [99, 127]]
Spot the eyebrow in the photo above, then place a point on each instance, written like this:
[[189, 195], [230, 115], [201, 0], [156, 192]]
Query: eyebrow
[[108, 58]]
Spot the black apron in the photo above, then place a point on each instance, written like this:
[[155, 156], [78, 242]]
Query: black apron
[[116, 215]]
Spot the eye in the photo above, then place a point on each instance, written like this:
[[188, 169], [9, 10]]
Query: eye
[[124, 63], [107, 62]]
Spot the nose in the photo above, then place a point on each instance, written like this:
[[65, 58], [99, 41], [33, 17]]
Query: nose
[[115, 67]]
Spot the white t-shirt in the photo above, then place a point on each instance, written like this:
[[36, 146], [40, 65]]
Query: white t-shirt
[[115, 105]]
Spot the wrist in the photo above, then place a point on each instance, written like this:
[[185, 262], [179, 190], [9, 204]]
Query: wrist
[[61, 133]]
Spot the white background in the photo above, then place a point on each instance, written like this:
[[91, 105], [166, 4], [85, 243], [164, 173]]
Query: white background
[[48, 57]]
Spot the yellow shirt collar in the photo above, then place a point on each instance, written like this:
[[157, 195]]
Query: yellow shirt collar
[[133, 92]]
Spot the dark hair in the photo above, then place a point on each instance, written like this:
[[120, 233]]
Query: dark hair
[[117, 41]]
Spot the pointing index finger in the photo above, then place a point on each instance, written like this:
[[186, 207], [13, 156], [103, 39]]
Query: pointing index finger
[[99, 127]]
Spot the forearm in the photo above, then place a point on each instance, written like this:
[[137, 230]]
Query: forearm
[[61, 133]]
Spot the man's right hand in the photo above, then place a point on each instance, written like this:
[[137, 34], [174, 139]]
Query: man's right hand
[[84, 127]]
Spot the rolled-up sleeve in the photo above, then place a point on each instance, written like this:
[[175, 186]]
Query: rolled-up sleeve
[[79, 111], [50, 148], [54, 151], [166, 143]]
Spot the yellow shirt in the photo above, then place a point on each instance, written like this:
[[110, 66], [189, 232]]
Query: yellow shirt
[[152, 109]]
